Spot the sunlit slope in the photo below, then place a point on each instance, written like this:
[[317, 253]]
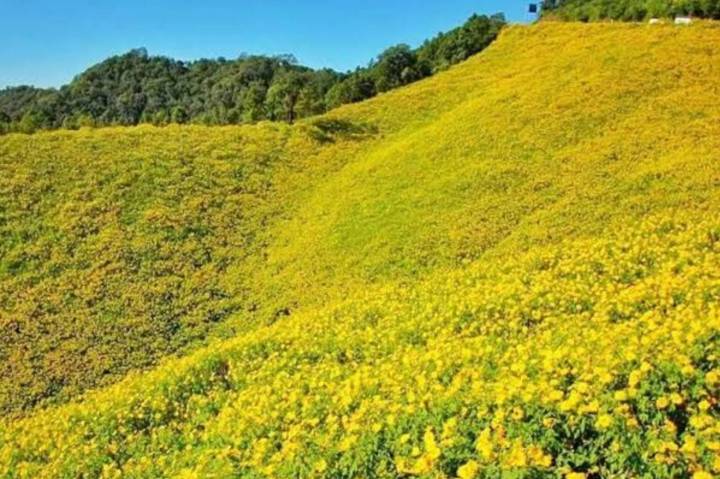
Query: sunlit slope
[[120, 246], [593, 356], [557, 130], [511, 267]]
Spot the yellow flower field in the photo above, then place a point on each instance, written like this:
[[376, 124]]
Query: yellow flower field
[[510, 269], [554, 363]]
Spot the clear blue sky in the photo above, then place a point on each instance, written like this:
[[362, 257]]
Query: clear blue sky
[[47, 42]]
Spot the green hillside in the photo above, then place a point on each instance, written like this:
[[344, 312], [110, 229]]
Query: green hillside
[[136, 87], [509, 269]]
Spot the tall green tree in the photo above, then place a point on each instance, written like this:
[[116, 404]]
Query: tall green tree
[[253, 101], [283, 95], [358, 86], [395, 67]]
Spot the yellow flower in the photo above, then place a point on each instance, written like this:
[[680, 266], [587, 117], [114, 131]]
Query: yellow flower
[[701, 421], [575, 475], [431, 447], [591, 407], [662, 402], [402, 466], [469, 470], [423, 465], [702, 475], [321, 466], [517, 457], [484, 445], [670, 426], [538, 457], [188, 474], [556, 395], [621, 396], [548, 422], [347, 443], [689, 446], [604, 421], [634, 378]]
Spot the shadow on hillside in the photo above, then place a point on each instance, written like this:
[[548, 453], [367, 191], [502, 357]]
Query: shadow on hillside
[[330, 130]]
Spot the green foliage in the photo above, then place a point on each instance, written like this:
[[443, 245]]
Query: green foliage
[[284, 94], [15, 101], [395, 67], [400, 65], [461, 43], [357, 87], [138, 88], [629, 10]]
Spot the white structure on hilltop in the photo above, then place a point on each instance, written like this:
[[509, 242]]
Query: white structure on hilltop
[[683, 20]]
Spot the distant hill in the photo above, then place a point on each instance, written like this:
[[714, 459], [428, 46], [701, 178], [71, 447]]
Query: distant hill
[[509, 269], [138, 88]]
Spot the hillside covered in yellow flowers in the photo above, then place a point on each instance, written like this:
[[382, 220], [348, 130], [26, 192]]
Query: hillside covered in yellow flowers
[[510, 269]]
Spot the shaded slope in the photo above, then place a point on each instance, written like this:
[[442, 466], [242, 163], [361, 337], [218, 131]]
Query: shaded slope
[[114, 245], [119, 246]]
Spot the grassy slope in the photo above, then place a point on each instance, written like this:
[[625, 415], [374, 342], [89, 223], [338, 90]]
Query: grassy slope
[[550, 147]]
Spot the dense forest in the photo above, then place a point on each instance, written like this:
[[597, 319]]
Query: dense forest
[[629, 10], [139, 88]]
